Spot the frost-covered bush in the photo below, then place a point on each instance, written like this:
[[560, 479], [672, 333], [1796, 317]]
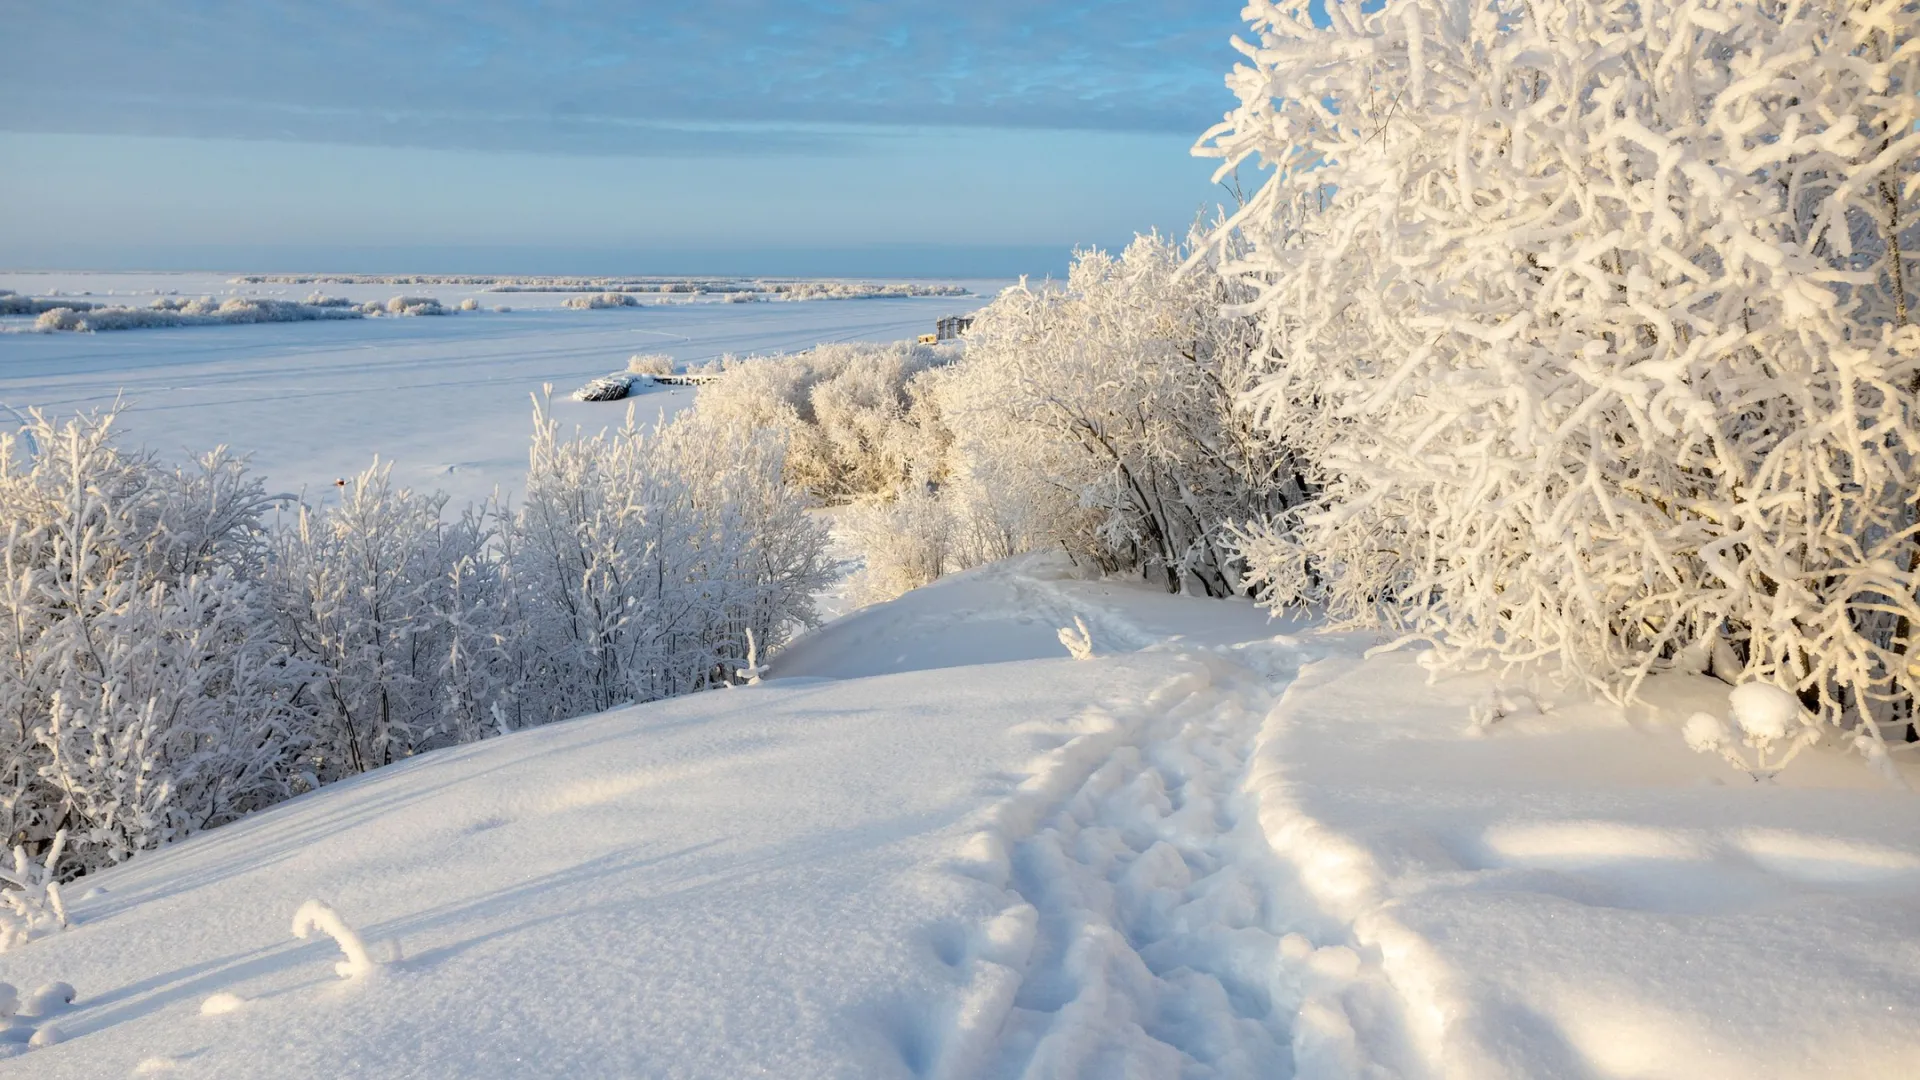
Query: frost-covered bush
[[904, 543], [414, 305], [640, 559], [1596, 321], [1770, 721], [172, 658], [30, 903], [855, 417], [165, 312], [143, 694], [12, 303], [380, 595], [600, 300], [650, 364], [1102, 416]]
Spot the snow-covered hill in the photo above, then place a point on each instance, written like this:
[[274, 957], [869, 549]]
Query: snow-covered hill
[[932, 845]]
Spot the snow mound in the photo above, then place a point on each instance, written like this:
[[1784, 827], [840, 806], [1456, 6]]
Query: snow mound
[[411, 305], [596, 301], [605, 388], [1765, 711]]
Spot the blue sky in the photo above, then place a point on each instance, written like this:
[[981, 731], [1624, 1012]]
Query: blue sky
[[722, 136]]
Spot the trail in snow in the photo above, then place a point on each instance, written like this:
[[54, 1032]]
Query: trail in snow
[[1138, 933], [1150, 951]]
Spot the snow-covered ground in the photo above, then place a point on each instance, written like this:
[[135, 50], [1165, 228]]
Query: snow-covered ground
[[932, 845], [445, 398]]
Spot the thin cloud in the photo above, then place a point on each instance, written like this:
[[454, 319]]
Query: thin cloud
[[718, 77]]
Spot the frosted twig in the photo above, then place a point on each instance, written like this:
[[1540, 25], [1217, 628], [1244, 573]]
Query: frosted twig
[[317, 915], [1079, 642]]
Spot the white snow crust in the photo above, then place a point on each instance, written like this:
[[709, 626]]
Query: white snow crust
[[931, 844]]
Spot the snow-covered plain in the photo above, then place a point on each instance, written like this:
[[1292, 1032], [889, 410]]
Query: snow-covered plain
[[445, 398], [932, 845]]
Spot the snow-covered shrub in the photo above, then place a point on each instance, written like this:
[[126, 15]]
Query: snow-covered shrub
[[382, 597], [1770, 720], [650, 364], [904, 543], [640, 558], [12, 303], [855, 417], [171, 660], [143, 693], [595, 301], [414, 305], [1106, 412], [30, 902], [56, 319], [1595, 321], [164, 312], [1100, 417]]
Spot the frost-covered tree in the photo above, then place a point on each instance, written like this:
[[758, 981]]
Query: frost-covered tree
[[1595, 319], [389, 601], [171, 658], [640, 559], [1105, 412], [142, 696]]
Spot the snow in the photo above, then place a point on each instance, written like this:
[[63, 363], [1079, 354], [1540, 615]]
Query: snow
[[1573, 894], [930, 843], [445, 399], [1765, 711]]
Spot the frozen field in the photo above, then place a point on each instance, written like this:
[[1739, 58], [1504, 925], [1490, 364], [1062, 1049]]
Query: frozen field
[[444, 398]]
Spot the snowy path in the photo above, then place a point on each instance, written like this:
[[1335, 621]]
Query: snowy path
[[1136, 934], [1133, 931]]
